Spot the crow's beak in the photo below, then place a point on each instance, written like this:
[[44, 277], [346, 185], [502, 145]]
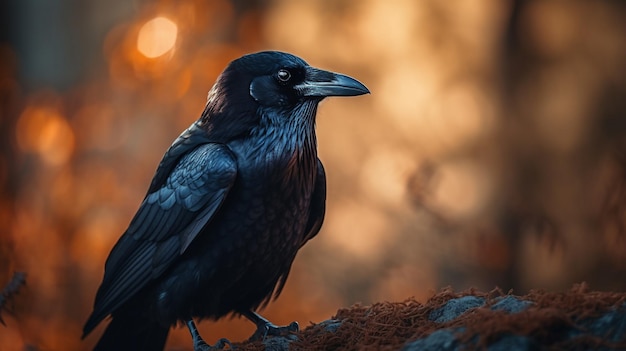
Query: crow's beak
[[319, 83]]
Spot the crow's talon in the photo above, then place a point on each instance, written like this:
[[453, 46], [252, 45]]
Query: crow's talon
[[269, 329], [220, 345], [293, 327], [265, 327], [200, 345]]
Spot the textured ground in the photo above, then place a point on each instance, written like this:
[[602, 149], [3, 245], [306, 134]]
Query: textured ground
[[579, 319]]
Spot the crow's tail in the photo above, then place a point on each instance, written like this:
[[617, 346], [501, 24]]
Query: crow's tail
[[126, 333]]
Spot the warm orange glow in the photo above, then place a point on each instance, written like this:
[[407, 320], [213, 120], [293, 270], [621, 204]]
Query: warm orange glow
[[157, 37], [471, 157], [357, 230], [45, 131], [463, 190]]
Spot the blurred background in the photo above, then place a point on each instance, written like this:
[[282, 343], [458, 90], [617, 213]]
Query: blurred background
[[491, 152]]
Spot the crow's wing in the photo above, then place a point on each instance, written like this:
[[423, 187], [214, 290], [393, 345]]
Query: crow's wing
[[189, 139], [166, 223]]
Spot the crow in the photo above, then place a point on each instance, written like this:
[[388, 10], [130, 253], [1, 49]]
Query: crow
[[232, 201]]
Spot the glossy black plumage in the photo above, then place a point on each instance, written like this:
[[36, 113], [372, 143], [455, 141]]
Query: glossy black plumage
[[232, 201]]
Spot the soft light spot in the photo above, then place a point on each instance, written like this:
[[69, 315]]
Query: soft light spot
[[45, 131], [359, 230], [385, 174], [463, 191], [157, 37]]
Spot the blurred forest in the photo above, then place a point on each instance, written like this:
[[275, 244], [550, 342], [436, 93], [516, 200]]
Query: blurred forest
[[491, 152]]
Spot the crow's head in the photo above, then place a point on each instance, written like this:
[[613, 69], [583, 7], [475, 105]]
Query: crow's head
[[269, 81], [281, 79]]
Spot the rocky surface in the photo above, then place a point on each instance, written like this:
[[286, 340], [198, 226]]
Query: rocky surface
[[578, 319]]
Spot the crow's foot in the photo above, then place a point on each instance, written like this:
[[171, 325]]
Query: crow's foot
[[200, 345], [266, 328]]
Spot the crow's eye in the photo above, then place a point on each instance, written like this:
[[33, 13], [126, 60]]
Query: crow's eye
[[283, 76]]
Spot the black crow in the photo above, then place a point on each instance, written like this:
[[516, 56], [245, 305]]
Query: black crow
[[232, 201]]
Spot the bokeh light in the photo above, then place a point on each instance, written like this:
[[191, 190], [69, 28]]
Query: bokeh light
[[156, 37], [44, 130]]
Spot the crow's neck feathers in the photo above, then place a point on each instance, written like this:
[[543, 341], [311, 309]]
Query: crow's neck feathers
[[291, 130]]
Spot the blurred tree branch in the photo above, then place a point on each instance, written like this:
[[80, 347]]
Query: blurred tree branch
[[10, 290]]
